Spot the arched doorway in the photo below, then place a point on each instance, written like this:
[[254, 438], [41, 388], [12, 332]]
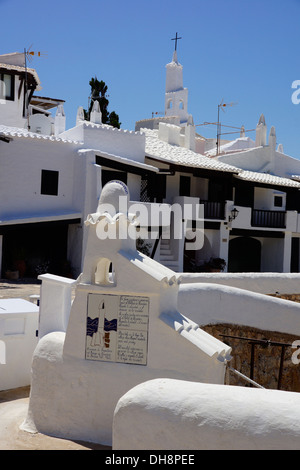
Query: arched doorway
[[244, 255]]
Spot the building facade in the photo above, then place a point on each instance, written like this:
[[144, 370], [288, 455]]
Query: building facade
[[242, 205]]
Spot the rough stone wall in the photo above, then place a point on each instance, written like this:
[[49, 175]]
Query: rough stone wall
[[266, 358], [292, 297]]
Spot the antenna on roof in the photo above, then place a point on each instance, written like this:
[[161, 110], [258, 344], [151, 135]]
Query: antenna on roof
[[28, 55], [155, 113], [221, 106]]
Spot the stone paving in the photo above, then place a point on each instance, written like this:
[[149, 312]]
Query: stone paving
[[19, 289]]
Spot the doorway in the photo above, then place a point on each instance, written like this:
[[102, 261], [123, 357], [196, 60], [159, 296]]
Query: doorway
[[244, 255]]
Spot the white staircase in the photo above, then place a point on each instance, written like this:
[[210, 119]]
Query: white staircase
[[167, 257]]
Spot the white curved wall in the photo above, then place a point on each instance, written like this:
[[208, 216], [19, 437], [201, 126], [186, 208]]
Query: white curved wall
[[211, 303], [263, 283], [173, 414]]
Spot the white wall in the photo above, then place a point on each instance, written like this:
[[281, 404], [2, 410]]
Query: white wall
[[167, 415], [73, 392], [109, 139], [286, 166], [18, 326], [224, 304], [272, 254], [256, 159], [264, 159], [264, 199], [263, 283], [20, 178]]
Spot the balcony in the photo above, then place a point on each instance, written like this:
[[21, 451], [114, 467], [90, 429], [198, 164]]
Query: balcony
[[213, 210], [270, 219]]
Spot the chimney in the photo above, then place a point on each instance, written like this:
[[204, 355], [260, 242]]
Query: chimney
[[261, 132], [96, 115], [59, 120], [80, 115], [272, 138]]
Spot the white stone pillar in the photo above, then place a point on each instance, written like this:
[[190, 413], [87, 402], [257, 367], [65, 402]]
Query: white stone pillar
[[287, 250], [224, 243], [55, 304], [59, 120]]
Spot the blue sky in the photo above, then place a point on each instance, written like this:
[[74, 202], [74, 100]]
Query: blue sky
[[246, 52]]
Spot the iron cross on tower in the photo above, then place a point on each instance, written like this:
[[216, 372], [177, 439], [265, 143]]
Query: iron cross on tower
[[175, 39]]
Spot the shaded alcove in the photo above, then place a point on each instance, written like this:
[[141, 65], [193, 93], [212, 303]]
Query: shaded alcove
[[244, 255]]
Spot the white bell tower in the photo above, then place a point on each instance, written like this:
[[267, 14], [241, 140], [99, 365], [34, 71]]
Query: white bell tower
[[176, 96]]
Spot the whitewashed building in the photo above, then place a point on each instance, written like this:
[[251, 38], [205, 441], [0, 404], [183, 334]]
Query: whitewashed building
[[251, 205], [50, 177]]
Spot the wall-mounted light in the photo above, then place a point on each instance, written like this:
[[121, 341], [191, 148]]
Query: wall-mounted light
[[234, 213]]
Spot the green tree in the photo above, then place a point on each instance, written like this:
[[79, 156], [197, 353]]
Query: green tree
[[114, 120], [99, 93]]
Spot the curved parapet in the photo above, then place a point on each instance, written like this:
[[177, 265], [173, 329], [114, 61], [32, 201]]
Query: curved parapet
[[172, 414], [211, 303]]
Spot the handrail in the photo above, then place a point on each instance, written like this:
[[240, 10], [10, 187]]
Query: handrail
[[156, 243], [244, 377]]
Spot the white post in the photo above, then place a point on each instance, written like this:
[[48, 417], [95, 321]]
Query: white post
[[287, 250], [224, 243], [55, 303], [59, 120]]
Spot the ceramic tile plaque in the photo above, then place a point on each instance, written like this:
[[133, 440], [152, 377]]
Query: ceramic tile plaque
[[117, 328]]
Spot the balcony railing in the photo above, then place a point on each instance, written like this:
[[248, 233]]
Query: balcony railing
[[213, 210], [271, 219]]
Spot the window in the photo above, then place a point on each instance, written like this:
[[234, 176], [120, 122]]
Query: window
[[278, 201], [49, 182], [185, 186], [7, 86]]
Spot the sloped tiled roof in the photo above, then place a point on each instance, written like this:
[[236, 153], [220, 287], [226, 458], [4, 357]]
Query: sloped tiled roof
[[266, 178], [9, 131], [177, 155], [18, 68]]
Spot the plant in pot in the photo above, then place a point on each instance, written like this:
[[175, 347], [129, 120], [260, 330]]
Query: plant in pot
[[215, 265]]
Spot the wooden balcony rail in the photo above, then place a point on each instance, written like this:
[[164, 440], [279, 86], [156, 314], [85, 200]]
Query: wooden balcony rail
[[213, 210], [271, 219]]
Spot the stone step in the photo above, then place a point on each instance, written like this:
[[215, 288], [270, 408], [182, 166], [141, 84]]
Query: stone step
[[167, 258], [165, 251], [169, 263], [174, 267]]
